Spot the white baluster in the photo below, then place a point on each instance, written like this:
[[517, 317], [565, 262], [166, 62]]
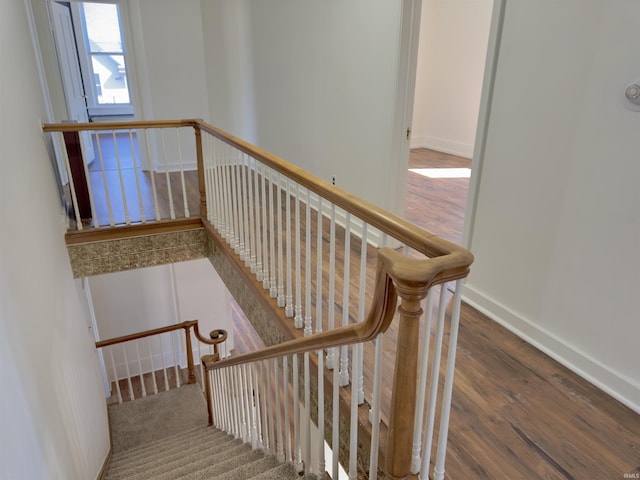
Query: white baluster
[[264, 182], [298, 319], [252, 225], [172, 212], [126, 365], [116, 150], [276, 277], [152, 174], [281, 298], [287, 419], [280, 446], [422, 386], [361, 305], [251, 396], [289, 310], [184, 187], [202, 371], [320, 443], [246, 422], [224, 385], [153, 368], [306, 431], [297, 453], [344, 355], [240, 201], [136, 175], [257, 407], [447, 390], [353, 427], [335, 438], [144, 390], [104, 180], [261, 235], [245, 170], [270, 402], [265, 422], [176, 368], [433, 386], [164, 365], [331, 353], [375, 409], [228, 230], [237, 210], [115, 375], [308, 326]]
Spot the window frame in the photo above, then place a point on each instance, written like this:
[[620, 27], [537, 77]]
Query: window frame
[[85, 56]]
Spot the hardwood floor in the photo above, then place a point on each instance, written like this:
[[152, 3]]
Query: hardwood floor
[[516, 413]]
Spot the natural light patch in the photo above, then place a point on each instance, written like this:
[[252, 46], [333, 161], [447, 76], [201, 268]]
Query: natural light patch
[[442, 172]]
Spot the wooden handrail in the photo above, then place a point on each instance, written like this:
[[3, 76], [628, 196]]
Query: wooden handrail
[[421, 240], [186, 326]]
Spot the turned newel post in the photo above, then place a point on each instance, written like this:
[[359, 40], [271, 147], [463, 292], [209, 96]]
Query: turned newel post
[[201, 182], [190, 365], [403, 399]]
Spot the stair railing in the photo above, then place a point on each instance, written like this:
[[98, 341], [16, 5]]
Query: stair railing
[[128, 173], [309, 251], [158, 364], [312, 251]]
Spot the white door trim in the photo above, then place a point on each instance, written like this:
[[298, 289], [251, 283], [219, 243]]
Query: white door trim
[[484, 114]]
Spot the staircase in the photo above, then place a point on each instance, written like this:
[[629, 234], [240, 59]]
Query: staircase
[[166, 437]]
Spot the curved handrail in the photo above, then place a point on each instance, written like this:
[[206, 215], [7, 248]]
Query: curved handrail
[[157, 331], [377, 321]]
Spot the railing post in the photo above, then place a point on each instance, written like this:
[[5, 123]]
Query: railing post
[[403, 399], [200, 160], [190, 366], [207, 386]]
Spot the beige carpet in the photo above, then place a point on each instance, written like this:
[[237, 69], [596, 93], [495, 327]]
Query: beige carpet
[[156, 417], [166, 437]]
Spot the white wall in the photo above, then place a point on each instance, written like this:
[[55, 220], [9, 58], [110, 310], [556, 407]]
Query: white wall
[[557, 224], [451, 57], [147, 298], [323, 79], [53, 416]]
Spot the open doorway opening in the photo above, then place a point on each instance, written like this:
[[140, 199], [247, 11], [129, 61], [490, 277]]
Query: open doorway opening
[[91, 54], [452, 52]]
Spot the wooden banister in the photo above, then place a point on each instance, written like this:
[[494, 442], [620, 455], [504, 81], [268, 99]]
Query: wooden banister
[[220, 336]]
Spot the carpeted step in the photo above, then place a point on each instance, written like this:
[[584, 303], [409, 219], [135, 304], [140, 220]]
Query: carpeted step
[[186, 452], [165, 437], [241, 472], [166, 444]]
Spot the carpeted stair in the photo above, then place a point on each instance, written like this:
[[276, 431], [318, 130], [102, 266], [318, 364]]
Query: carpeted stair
[[166, 437]]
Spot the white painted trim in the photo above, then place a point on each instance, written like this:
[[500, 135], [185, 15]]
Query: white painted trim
[[623, 389], [406, 67], [484, 116], [443, 145]]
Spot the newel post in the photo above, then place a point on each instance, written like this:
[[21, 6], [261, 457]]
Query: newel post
[[190, 365], [200, 162], [403, 399]]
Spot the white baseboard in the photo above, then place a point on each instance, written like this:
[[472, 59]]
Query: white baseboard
[[442, 145], [175, 167], [613, 383]]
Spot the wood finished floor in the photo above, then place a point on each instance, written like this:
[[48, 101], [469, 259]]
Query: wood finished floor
[[516, 413]]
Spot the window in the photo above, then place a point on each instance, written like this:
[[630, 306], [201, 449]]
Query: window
[[102, 58]]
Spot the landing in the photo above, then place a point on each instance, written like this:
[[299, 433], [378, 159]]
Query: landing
[[157, 416]]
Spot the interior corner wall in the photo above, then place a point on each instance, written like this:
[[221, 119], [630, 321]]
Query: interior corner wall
[[451, 60], [556, 224], [53, 416]]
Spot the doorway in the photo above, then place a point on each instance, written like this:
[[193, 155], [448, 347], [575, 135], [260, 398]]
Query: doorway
[[451, 55], [91, 55]]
